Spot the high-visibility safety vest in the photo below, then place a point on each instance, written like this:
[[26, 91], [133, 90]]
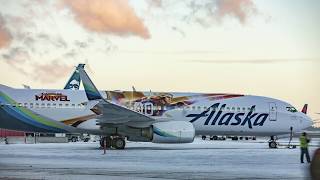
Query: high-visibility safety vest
[[303, 142]]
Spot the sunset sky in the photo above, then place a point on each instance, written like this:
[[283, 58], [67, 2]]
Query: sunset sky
[[263, 47]]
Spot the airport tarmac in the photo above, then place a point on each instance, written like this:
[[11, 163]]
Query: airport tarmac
[[198, 160]]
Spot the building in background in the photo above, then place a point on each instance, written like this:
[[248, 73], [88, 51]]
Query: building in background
[[7, 133]]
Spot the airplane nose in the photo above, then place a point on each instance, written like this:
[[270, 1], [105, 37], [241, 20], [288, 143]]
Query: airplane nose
[[308, 122]]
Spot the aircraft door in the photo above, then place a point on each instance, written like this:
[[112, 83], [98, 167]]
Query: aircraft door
[[272, 111]]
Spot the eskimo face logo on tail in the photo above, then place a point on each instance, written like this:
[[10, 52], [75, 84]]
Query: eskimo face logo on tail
[[51, 97], [74, 85], [217, 117]]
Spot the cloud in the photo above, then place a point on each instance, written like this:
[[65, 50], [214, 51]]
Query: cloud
[[239, 9], [108, 16], [206, 12], [5, 36], [155, 3], [50, 72], [57, 41], [81, 44], [174, 28], [17, 57]]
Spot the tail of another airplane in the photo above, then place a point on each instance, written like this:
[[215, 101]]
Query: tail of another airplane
[[305, 109], [90, 89], [74, 81]]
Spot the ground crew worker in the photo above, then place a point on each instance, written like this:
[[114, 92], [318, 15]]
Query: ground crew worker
[[304, 143]]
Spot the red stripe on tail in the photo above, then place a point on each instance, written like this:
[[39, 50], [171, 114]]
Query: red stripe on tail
[[305, 108]]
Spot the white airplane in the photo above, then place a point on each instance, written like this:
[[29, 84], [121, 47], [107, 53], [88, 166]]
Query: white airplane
[[146, 116]]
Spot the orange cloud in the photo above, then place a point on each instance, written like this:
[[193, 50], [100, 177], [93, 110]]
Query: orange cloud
[[108, 16], [56, 68], [5, 36], [239, 9]]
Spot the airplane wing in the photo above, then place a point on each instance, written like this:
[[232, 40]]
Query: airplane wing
[[108, 112]]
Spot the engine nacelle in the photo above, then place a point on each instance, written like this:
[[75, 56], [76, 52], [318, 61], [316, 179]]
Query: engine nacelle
[[173, 132]]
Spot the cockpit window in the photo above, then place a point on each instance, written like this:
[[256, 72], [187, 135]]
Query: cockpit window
[[291, 109]]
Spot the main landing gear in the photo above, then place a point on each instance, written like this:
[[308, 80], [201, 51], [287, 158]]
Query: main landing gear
[[273, 143], [113, 141]]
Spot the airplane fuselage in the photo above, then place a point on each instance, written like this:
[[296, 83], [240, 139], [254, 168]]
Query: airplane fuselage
[[66, 111]]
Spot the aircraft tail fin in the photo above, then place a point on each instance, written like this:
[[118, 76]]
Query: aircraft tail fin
[[75, 80], [90, 89], [305, 109]]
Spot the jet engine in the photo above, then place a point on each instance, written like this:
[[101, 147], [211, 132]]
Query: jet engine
[[173, 132]]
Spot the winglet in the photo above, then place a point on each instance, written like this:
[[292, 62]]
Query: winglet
[[305, 109], [90, 89]]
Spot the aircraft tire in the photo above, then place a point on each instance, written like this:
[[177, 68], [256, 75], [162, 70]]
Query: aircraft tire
[[118, 143], [235, 138], [215, 138], [108, 142], [254, 138], [273, 144]]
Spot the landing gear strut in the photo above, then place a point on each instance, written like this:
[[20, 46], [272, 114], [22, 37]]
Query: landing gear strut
[[291, 135], [273, 143], [114, 142]]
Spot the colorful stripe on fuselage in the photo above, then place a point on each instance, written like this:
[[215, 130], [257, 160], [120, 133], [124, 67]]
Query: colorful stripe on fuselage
[[27, 116]]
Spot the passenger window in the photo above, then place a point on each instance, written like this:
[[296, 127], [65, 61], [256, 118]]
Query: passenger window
[[243, 109], [60, 105], [43, 105], [48, 105], [73, 106], [233, 109], [238, 109], [31, 105]]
